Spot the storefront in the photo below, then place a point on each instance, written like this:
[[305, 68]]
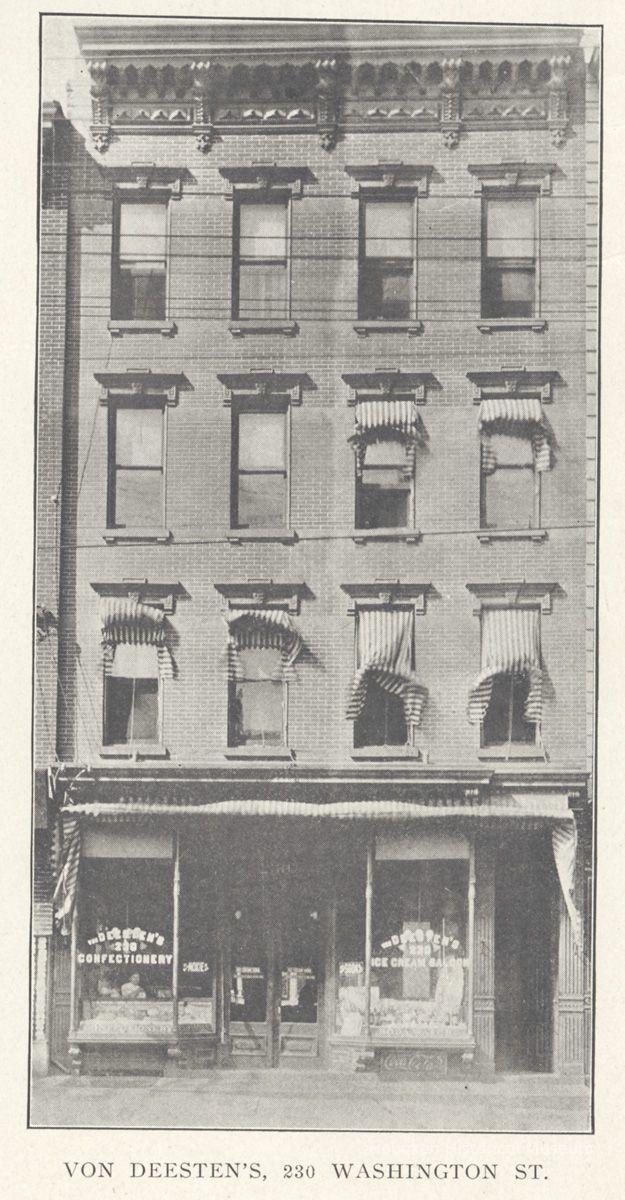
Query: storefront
[[422, 947]]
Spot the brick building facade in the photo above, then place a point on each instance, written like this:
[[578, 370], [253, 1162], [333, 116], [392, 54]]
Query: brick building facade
[[322, 755]]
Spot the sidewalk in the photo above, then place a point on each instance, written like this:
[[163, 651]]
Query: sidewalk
[[303, 1100]]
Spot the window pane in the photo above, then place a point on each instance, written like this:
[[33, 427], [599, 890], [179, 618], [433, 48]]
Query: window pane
[[511, 229], [510, 498], [261, 501], [139, 437], [517, 287], [508, 291], [138, 498], [262, 230], [386, 452], [504, 720], [382, 721], [385, 293], [131, 710], [262, 290], [142, 232], [139, 293], [378, 508], [419, 963], [389, 229], [257, 717], [260, 664], [261, 441]]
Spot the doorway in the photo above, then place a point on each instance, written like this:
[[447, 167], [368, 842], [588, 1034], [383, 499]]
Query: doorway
[[525, 955], [275, 969]]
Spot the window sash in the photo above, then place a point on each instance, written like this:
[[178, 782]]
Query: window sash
[[143, 468], [257, 700], [260, 275], [505, 723], [138, 701], [276, 470], [139, 262]]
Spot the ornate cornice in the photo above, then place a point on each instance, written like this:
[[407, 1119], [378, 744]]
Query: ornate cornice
[[326, 94]]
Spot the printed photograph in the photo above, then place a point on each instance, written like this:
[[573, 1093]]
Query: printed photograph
[[315, 687]]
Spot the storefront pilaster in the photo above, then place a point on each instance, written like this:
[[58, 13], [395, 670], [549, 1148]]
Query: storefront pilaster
[[484, 956]]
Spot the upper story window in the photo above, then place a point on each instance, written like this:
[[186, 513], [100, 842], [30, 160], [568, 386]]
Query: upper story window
[[515, 452], [507, 697], [261, 258], [386, 277], [509, 256], [384, 486], [136, 660], [139, 278], [256, 710], [136, 464], [387, 698], [259, 467]]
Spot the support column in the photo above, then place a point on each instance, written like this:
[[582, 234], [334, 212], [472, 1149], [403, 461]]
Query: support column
[[40, 969], [569, 1048], [484, 955], [174, 1052]]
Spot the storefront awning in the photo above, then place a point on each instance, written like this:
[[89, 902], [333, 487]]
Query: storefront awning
[[543, 806]]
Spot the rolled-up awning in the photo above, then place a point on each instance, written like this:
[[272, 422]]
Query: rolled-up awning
[[67, 881], [564, 842], [128, 622], [510, 645], [520, 415], [399, 414], [261, 629], [385, 657], [551, 807]]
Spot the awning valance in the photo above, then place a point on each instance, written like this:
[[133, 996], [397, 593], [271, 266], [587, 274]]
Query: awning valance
[[385, 657], [522, 416], [510, 645], [128, 622], [261, 629]]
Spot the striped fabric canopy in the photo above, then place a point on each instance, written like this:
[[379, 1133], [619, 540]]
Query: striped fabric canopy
[[386, 414], [515, 415], [564, 842], [385, 657], [378, 419], [261, 629], [510, 645], [65, 891], [126, 621]]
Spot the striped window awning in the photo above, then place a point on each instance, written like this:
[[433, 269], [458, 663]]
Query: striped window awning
[[67, 882], [564, 842], [128, 622], [384, 655], [520, 416], [261, 629], [389, 418], [510, 645]]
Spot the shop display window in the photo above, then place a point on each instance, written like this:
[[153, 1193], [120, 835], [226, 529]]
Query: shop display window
[[419, 963], [124, 949]]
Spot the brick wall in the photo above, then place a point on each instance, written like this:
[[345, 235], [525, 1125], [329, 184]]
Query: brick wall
[[325, 226]]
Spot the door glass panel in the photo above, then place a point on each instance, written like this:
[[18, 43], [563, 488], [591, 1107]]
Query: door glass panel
[[300, 957], [248, 990]]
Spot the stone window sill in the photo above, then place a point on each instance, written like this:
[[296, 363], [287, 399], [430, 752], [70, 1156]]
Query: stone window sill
[[492, 324], [264, 752], [119, 328], [512, 535], [155, 534], [135, 750], [411, 328], [240, 326], [503, 754], [361, 536], [286, 536], [368, 753]]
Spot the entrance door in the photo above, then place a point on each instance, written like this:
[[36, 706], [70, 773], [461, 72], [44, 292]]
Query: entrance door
[[525, 956], [275, 958]]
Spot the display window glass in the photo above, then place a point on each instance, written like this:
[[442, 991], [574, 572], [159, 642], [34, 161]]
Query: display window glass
[[350, 946], [196, 970], [419, 964], [125, 948]]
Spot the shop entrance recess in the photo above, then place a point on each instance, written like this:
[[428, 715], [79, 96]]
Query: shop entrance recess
[[275, 952], [525, 955]]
